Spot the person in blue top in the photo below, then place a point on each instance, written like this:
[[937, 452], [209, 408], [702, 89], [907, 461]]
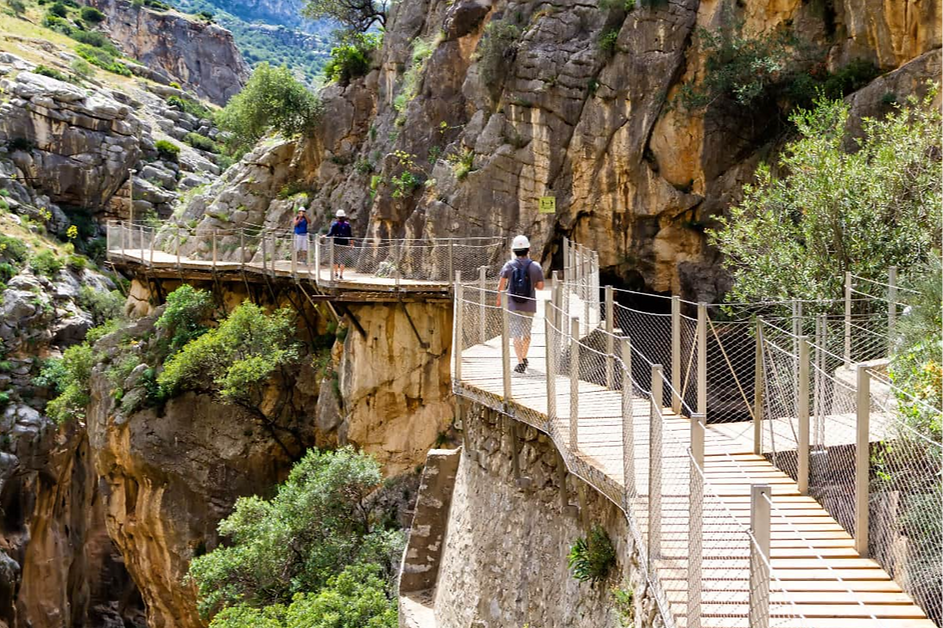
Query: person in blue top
[[522, 277], [341, 232], [300, 226]]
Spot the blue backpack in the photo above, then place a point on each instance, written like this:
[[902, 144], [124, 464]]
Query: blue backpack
[[520, 288]]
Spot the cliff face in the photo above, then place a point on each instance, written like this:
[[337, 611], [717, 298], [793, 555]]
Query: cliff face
[[200, 56], [554, 112]]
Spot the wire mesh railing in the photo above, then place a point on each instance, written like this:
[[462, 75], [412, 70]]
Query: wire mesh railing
[[385, 264]]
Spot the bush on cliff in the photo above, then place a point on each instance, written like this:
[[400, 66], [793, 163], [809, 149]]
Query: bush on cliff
[[319, 537], [273, 100], [236, 360], [836, 210], [351, 58], [70, 377], [185, 316]]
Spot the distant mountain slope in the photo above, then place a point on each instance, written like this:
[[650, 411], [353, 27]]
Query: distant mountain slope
[[272, 31]]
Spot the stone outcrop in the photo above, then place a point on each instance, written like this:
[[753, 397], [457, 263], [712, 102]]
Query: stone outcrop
[[198, 55]]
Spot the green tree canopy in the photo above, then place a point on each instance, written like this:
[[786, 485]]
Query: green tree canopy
[[354, 16], [319, 524], [835, 210], [272, 100]]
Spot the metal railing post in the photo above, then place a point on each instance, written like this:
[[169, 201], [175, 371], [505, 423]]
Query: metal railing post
[[862, 459], [676, 354], [398, 248], [760, 494], [610, 348], [566, 258], [803, 390], [796, 332], [177, 247], [505, 348], [482, 312], [294, 258], [451, 260], [696, 519], [556, 296], [891, 305], [308, 253], [702, 358], [122, 241], [551, 358], [214, 249], [459, 328], [758, 385], [151, 249], [330, 260], [819, 394], [574, 382], [628, 421], [848, 287], [655, 472], [264, 253], [142, 238]]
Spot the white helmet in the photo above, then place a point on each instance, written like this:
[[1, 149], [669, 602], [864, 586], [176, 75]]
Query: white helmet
[[341, 214], [520, 243]]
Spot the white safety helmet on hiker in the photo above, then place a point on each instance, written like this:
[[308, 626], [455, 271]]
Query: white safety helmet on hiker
[[340, 214], [520, 243]]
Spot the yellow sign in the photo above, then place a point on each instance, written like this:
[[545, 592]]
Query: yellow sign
[[548, 204]]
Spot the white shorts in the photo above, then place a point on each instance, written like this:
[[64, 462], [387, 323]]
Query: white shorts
[[301, 241]]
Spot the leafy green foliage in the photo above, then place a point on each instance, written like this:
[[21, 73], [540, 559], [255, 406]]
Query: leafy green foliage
[[592, 557], [833, 210], [188, 105], [102, 58], [50, 72], [184, 316], [167, 150], [46, 263], [91, 15], [623, 603], [351, 58], [412, 79], [318, 524], [103, 305], [608, 40], [272, 100], [70, 377], [201, 142], [236, 359], [496, 50], [13, 250], [58, 9], [82, 68]]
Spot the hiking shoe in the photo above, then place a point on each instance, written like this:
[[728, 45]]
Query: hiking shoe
[[525, 363], [520, 368]]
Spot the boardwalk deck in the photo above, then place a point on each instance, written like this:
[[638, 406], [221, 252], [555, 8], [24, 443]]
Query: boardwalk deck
[[819, 580]]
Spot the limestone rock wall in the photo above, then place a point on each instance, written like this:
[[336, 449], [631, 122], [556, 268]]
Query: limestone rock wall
[[200, 56], [505, 556]]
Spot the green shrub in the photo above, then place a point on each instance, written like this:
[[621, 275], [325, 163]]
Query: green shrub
[[412, 79], [82, 68], [77, 263], [462, 163], [592, 557], [188, 105], [46, 263], [317, 527], [351, 59], [623, 602], [832, 210], [236, 359], [103, 305], [7, 272], [167, 150], [4, 398], [91, 15], [58, 9], [102, 58], [58, 24], [272, 100], [496, 50], [608, 40], [201, 142], [206, 16], [72, 379], [50, 72], [97, 40], [13, 250], [185, 315]]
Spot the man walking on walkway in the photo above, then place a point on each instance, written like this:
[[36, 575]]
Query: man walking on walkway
[[340, 231], [300, 225], [522, 278]]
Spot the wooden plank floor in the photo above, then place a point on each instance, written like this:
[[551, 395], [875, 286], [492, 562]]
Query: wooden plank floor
[[819, 579], [353, 280]]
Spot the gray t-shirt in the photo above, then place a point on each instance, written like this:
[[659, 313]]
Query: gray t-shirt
[[536, 276]]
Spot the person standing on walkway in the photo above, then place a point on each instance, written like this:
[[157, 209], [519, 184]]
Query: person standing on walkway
[[300, 226], [341, 232], [522, 277]]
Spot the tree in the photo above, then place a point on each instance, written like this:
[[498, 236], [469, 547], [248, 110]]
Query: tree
[[354, 16], [272, 100], [835, 210], [236, 360], [319, 523]]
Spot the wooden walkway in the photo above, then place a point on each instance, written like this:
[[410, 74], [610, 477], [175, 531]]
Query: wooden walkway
[[167, 264], [819, 580]]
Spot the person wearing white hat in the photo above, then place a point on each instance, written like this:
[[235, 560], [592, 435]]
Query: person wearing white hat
[[300, 226], [341, 232], [522, 277]]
